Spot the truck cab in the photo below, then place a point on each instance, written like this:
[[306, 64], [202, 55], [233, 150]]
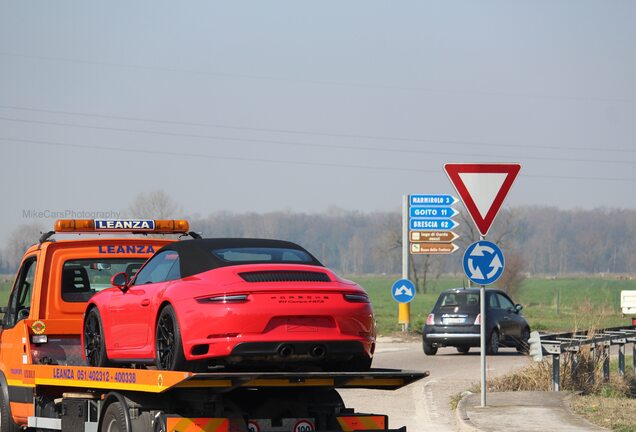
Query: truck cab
[[42, 321]]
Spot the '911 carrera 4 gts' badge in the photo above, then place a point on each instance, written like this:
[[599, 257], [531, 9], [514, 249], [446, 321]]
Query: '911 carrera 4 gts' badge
[[38, 327]]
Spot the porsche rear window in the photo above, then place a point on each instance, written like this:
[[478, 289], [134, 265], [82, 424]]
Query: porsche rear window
[[262, 255]]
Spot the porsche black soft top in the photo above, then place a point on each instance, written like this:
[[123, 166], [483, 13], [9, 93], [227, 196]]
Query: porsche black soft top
[[201, 255]]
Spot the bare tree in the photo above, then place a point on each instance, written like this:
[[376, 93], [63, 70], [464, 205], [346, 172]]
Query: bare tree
[[154, 205], [19, 241], [513, 275]]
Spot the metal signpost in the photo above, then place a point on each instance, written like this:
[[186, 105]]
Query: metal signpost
[[483, 189]]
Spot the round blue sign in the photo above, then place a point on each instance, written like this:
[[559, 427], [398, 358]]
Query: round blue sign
[[483, 262], [403, 291]]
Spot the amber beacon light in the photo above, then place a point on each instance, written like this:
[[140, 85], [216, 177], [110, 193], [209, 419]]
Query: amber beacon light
[[170, 226]]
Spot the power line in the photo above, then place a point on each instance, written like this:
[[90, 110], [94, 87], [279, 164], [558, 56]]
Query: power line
[[317, 133], [278, 161], [300, 144], [326, 82]]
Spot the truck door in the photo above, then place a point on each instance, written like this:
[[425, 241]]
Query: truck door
[[18, 309]]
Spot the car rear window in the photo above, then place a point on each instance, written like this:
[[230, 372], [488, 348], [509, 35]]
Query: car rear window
[[463, 300], [262, 255]]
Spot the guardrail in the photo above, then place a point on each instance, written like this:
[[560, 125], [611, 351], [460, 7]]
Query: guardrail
[[600, 342]]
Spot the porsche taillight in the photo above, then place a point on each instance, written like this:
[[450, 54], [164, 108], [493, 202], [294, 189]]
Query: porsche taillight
[[430, 320], [356, 298], [223, 299]]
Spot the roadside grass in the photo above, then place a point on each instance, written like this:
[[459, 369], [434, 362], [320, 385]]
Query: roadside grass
[[549, 304], [614, 413], [608, 404]]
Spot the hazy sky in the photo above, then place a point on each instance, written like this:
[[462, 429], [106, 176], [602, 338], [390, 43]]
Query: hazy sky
[[290, 105]]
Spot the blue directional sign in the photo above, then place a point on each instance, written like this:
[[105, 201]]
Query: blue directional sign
[[432, 224], [403, 291], [432, 200], [483, 262], [432, 212]]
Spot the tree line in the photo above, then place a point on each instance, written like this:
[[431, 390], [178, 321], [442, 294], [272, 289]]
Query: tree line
[[535, 239]]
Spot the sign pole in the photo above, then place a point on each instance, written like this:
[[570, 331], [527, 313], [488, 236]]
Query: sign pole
[[404, 309], [482, 337]]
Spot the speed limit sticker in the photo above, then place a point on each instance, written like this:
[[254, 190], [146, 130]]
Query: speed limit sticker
[[304, 426], [252, 426]]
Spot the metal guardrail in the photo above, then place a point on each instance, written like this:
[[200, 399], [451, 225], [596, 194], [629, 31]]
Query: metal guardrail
[[600, 341]]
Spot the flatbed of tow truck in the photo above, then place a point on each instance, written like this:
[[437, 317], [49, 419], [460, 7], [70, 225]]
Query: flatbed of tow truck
[[45, 385], [152, 399]]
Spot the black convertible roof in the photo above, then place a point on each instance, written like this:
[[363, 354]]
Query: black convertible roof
[[195, 256]]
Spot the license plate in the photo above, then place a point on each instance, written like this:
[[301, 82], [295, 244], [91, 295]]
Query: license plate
[[454, 320]]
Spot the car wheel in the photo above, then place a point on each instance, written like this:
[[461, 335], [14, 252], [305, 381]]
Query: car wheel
[[360, 364], [168, 344], [94, 342], [429, 349], [463, 349], [492, 347], [523, 345]]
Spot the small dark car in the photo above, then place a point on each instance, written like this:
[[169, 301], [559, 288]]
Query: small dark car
[[455, 321]]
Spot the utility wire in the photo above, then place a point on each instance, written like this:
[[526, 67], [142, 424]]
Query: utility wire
[[278, 161], [325, 82], [299, 144], [316, 133]]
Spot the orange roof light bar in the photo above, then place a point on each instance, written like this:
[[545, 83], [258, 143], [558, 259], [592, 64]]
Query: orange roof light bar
[[123, 225]]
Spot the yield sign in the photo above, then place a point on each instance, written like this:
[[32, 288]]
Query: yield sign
[[482, 188]]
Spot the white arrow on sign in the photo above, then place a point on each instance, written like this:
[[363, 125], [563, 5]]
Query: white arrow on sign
[[475, 273], [479, 250], [496, 265], [403, 290]]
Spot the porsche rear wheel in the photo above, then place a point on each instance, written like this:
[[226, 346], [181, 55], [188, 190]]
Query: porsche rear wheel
[[94, 342], [168, 344]]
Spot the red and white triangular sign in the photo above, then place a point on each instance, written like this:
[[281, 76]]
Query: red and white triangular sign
[[482, 188]]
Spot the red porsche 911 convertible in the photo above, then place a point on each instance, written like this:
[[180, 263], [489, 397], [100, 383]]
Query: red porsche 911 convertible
[[231, 302]]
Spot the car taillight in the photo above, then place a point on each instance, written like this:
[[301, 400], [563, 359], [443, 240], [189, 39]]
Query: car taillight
[[236, 298], [430, 320], [478, 319], [356, 298]]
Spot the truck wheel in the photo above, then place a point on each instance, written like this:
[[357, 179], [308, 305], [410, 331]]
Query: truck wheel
[[114, 419], [492, 346], [94, 342], [6, 421], [429, 349], [168, 345]]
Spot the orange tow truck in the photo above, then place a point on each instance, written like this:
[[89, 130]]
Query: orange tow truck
[[46, 385]]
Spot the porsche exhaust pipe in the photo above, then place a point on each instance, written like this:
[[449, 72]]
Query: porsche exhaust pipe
[[318, 351], [285, 350]]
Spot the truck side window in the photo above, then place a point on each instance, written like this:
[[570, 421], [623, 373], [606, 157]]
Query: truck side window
[[20, 299]]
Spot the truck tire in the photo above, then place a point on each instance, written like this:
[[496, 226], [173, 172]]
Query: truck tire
[[168, 344], [94, 341], [6, 421], [114, 419]]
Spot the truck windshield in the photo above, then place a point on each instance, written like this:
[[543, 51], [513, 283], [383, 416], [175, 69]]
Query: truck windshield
[[82, 278]]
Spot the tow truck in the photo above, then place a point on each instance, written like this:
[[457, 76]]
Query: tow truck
[[46, 385]]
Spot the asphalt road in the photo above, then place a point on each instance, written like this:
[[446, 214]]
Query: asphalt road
[[425, 405]]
